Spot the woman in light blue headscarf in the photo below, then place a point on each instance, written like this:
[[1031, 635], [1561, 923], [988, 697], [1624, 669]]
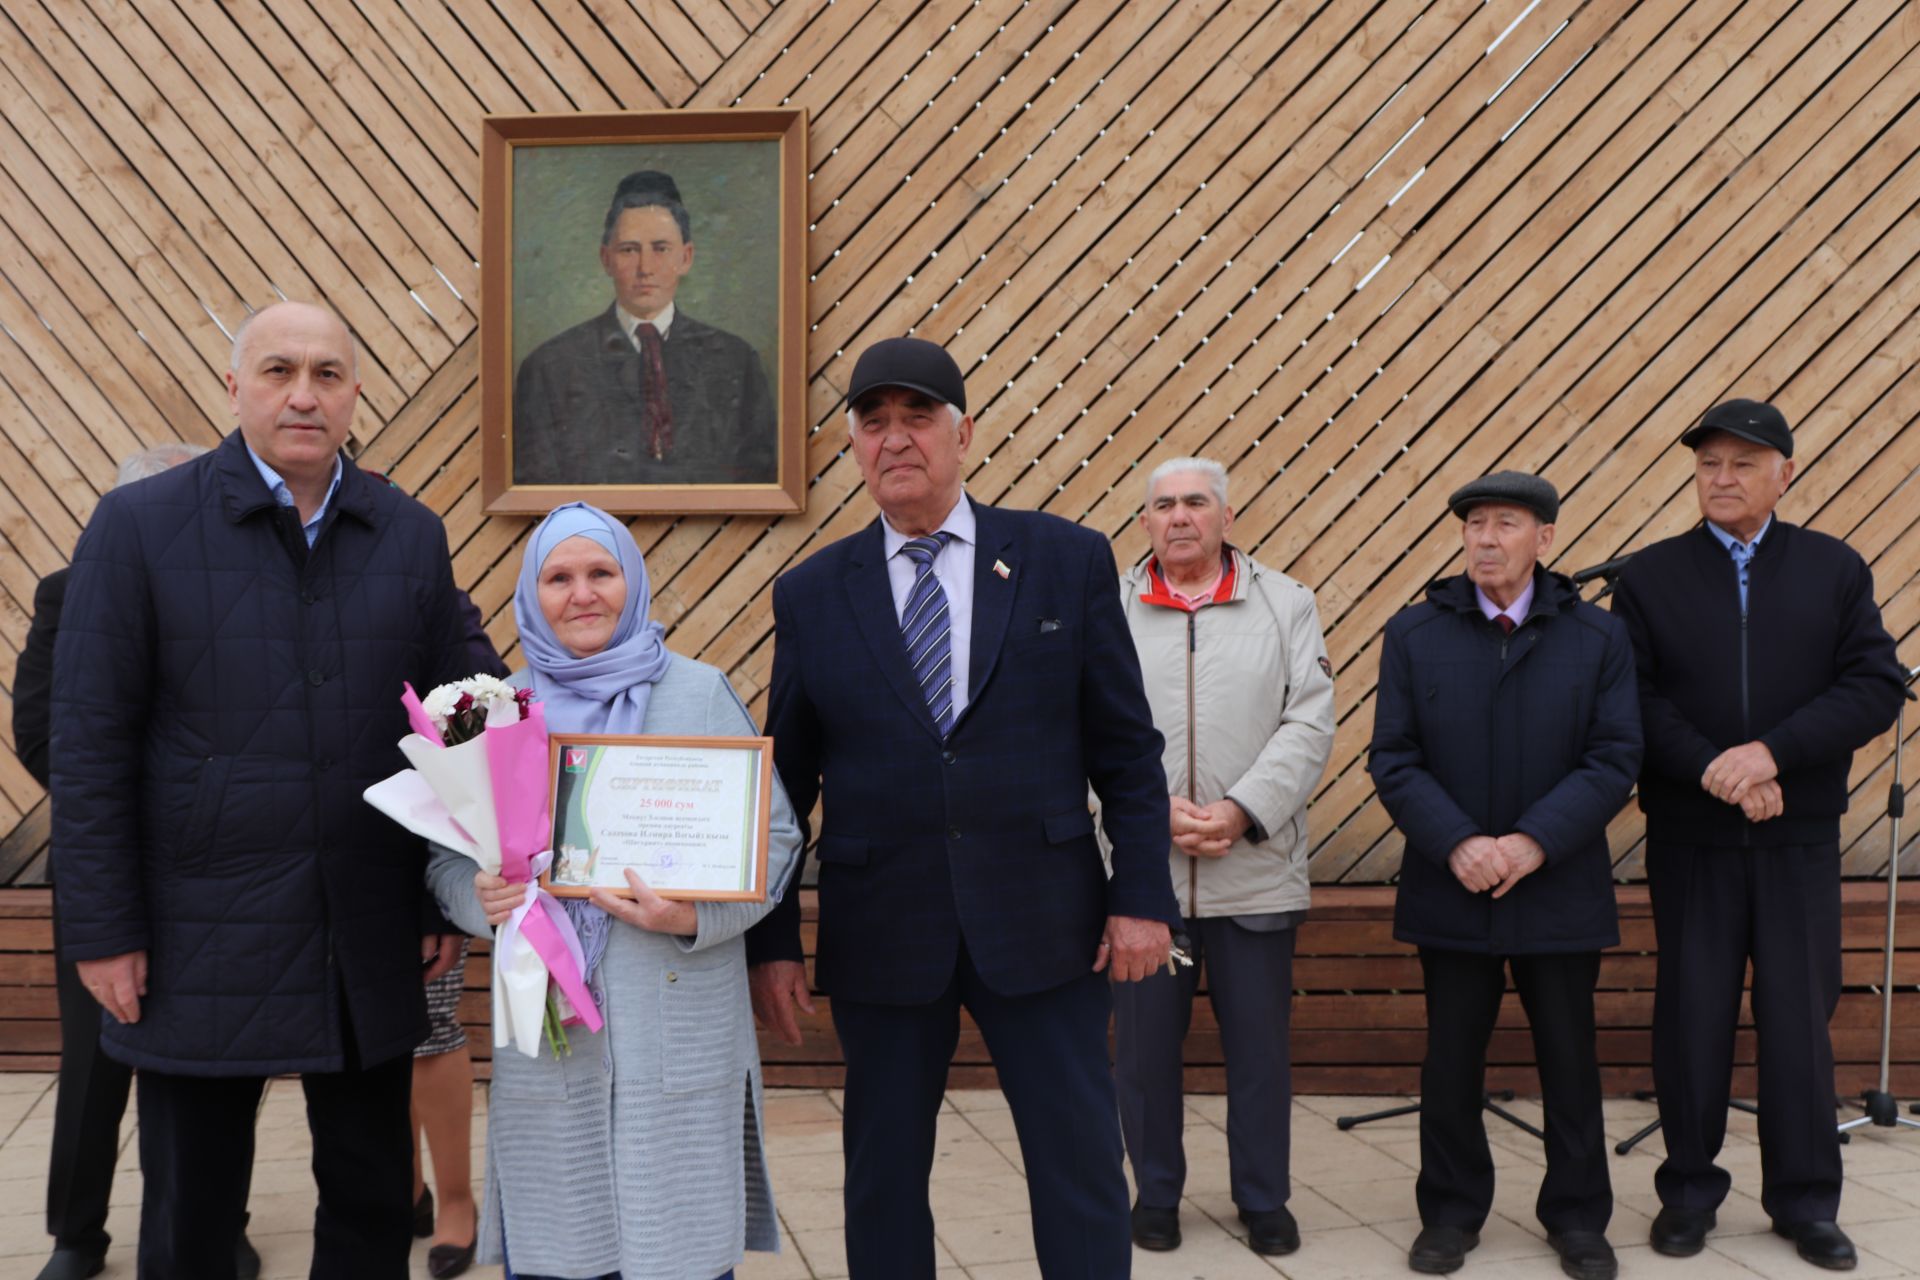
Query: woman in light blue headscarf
[[627, 1156]]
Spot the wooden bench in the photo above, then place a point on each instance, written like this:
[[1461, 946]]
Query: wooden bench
[[1358, 1018]]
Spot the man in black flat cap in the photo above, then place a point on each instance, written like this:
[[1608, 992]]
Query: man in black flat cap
[[949, 682], [1763, 665], [644, 393], [1506, 736]]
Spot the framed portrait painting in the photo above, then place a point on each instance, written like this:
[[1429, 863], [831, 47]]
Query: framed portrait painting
[[643, 311]]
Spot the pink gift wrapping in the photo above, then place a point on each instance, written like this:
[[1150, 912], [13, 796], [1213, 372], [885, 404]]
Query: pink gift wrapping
[[417, 717], [517, 770], [517, 762]]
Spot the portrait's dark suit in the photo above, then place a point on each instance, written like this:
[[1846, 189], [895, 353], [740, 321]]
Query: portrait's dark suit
[[965, 871], [580, 409]]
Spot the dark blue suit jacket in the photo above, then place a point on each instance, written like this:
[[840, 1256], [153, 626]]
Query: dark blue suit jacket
[[987, 836]]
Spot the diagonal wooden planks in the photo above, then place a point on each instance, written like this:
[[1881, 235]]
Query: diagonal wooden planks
[[1360, 250]]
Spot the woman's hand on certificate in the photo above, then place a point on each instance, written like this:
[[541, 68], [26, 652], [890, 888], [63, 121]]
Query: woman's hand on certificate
[[647, 909], [498, 898]]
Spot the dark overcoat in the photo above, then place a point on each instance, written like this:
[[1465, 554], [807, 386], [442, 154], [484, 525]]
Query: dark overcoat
[[1476, 733], [222, 696]]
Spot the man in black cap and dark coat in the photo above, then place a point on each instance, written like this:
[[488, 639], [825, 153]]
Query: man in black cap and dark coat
[[1763, 665], [644, 393], [949, 682], [1506, 736]]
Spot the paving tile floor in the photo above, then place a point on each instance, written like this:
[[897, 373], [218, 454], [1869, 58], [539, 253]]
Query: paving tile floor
[[1353, 1196]]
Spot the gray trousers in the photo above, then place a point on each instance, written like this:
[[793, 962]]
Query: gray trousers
[[1250, 983]]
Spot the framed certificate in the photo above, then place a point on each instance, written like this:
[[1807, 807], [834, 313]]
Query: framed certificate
[[689, 814]]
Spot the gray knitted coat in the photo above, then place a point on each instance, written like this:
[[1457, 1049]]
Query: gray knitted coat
[[641, 1150]]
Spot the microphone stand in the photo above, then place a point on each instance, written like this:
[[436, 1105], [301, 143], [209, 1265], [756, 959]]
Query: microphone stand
[[1881, 1107], [1487, 1103], [1610, 570]]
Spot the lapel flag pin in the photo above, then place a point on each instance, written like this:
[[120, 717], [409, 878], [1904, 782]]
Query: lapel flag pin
[[1000, 567]]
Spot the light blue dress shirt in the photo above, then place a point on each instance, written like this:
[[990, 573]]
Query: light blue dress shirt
[[284, 495], [1742, 552]]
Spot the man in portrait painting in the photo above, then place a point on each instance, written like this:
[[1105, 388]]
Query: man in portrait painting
[[644, 393]]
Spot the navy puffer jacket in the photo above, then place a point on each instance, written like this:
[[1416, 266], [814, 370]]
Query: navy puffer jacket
[[221, 698], [1476, 733]]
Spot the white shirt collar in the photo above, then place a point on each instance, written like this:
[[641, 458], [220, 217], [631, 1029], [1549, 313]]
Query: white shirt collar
[[959, 522], [629, 322]]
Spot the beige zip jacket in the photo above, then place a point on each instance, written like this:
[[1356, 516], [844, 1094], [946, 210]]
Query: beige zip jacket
[[1243, 691]]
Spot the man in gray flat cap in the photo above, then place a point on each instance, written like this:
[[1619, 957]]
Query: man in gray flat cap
[[1506, 736]]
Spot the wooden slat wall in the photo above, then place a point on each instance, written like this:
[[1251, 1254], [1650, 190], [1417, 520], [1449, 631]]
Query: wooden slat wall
[[1361, 251]]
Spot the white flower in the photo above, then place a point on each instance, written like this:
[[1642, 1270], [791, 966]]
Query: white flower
[[439, 704], [495, 697], [486, 688]]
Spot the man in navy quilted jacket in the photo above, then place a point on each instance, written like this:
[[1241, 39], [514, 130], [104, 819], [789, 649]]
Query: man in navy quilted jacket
[[226, 683], [1506, 734]]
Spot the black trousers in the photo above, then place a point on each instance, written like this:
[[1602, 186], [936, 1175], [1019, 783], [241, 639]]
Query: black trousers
[[1714, 909], [1250, 984], [1050, 1052], [86, 1117], [1455, 1187], [196, 1151]]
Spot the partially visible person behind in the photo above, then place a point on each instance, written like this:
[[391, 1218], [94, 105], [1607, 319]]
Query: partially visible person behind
[[1763, 666], [225, 687], [1237, 675], [638, 1155], [93, 1088], [644, 392], [1506, 735], [443, 1119]]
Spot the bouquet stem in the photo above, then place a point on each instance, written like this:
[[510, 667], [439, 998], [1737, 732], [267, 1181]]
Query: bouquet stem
[[556, 1031]]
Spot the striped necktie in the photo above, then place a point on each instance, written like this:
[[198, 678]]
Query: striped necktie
[[927, 629]]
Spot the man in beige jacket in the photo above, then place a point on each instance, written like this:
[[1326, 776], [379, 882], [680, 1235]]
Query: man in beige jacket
[[1237, 675]]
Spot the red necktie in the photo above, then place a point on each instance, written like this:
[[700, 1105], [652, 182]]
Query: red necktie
[[1505, 623], [659, 412]]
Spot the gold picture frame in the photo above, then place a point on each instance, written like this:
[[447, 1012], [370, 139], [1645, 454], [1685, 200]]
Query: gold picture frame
[[568, 383]]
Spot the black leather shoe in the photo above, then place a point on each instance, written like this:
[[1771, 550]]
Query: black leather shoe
[[445, 1260], [72, 1264], [1271, 1232], [1585, 1255], [1680, 1233], [423, 1214], [246, 1260], [1438, 1250], [1156, 1229], [1823, 1244]]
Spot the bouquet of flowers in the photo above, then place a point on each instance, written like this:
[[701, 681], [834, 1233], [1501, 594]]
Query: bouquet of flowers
[[461, 711], [479, 786]]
